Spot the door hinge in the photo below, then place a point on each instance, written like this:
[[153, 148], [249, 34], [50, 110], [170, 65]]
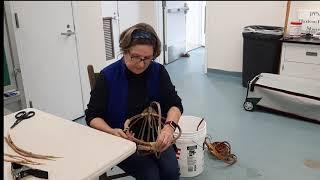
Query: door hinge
[[17, 20], [164, 4]]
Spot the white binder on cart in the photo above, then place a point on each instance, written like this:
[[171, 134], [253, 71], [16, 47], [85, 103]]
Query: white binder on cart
[[291, 95]]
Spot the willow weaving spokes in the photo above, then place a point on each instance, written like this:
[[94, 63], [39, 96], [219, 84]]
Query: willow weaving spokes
[[144, 129], [24, 154]]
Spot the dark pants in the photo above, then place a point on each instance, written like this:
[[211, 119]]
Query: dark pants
[[151, 168]]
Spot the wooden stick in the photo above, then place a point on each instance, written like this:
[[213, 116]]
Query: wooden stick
[[26, 153], [19, 159], [287, 17]]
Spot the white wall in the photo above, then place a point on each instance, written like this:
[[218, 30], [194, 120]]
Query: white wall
[[225, 21], [147, 13], [129, 12], [90, 41]]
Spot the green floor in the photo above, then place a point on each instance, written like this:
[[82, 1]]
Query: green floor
[[268, 146]]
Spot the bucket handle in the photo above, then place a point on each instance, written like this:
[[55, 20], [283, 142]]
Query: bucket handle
[[200, 123]]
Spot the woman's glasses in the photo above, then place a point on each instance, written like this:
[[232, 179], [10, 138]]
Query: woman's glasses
[[138, 59]]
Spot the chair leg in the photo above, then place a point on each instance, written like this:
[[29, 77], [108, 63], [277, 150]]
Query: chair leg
[[117, 176], [104, 176]]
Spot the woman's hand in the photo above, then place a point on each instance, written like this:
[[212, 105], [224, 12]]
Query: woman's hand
[[165, 138], [118, 132], [130, 135]]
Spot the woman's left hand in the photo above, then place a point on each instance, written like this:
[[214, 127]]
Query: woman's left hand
[[165, 138]]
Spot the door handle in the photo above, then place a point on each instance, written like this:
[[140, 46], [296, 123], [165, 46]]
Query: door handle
[[311, 54], [68, 33]]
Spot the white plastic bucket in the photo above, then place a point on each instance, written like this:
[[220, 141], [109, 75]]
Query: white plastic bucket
[[190, 153]]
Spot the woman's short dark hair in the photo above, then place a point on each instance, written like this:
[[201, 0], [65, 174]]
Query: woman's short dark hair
[[140, 33]]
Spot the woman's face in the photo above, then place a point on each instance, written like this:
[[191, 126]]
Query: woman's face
[[138, 58]]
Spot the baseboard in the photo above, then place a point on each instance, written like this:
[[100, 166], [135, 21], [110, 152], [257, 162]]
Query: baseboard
[[228, 73]]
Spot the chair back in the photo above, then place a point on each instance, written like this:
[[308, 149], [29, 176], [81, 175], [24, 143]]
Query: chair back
[[92, 76]]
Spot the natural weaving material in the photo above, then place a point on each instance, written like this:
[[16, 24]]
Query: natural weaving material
[[149, 123], [221, 150], [18, 159], [24, 154]]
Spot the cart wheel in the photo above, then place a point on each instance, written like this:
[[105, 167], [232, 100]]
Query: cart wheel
[[248, 106]]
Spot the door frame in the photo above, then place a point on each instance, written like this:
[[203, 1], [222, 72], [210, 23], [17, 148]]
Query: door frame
[[160, 20], [159, 29], [8, 15], [8, 57]]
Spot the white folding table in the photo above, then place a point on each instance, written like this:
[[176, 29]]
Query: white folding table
[[86, 153]]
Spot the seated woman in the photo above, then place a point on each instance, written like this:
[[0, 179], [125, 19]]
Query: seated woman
[[125, 88]]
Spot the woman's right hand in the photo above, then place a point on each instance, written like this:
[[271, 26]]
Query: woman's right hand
[[119, 132]]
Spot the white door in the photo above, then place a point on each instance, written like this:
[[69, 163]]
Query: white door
[[175, 29], [48, 58], [110, 11], [194, 25]]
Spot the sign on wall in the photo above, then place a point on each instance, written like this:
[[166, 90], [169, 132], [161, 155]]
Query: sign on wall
[[310, 20]]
